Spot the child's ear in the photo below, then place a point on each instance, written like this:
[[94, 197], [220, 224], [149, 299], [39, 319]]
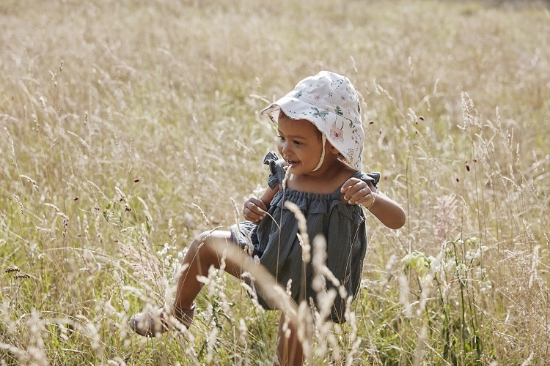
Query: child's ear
[[332, 149]]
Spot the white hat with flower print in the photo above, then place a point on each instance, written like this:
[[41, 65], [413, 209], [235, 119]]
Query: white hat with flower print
[[330, 102]]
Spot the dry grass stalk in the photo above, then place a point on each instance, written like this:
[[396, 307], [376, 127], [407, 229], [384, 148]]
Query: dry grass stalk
[[159, 98], [147, 268]]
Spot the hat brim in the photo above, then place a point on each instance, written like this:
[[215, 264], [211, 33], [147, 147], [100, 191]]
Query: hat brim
[[299, 109]]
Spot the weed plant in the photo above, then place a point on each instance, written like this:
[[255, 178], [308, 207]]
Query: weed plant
[[128, 127]]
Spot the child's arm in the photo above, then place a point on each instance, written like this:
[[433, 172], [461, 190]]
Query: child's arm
[[255, 209], [389, 212]]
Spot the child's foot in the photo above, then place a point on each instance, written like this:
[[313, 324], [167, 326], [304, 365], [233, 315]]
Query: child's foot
[[152, 324]]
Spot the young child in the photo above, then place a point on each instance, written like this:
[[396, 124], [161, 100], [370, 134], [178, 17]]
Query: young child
[[320, 144]]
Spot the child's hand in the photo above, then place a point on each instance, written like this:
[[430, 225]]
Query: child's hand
[[254, 210], [357, 192]]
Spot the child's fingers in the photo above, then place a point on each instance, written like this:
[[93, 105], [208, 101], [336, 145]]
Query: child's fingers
[[254, 209], [357, 191], [349, 183], [354, 188], [251, 215], [359, 196], [258, 204]]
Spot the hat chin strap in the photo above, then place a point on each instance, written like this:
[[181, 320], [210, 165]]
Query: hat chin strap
[[324, 138]]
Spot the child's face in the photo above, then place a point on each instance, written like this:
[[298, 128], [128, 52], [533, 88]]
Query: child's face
[[300, 144]]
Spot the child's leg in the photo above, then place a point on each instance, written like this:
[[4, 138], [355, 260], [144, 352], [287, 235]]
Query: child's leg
[[289, 350], [205, 251]]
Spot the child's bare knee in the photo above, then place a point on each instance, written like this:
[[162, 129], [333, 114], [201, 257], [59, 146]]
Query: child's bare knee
[[203, 243], [201, 237]]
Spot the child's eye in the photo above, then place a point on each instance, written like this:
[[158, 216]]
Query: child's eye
[[281, 138], [298, 143]]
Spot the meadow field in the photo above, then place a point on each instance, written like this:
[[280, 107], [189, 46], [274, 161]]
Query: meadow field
[[128, 127]]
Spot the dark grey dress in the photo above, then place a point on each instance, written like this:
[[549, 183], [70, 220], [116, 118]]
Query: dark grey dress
[[279, 250]]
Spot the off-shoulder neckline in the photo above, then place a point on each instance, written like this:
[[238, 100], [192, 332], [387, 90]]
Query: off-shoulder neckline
[[335, 194]]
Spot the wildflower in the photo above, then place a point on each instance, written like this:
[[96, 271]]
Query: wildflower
[[449, 265], [481, 273], [471, 241], [472, 255], [461, 269], [485, 285], [164, 250], [417, 261]]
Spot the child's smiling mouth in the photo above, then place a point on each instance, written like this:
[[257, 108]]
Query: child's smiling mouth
[[292, 162]]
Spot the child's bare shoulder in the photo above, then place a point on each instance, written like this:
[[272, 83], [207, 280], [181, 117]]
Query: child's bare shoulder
[[345, 172]]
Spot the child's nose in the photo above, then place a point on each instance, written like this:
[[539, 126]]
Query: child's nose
[[284, 146]]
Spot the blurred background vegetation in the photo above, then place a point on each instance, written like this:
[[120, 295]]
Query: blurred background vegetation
[[127, 127]]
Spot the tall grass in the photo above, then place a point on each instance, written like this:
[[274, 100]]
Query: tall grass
[[127, 127]]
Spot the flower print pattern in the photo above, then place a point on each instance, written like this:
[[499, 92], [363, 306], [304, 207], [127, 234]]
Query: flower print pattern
[[355, 135], [319, 113], [337, 133]]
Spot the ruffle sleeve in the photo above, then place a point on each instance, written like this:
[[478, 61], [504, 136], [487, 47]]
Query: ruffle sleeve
[[374, 178], [277, 172]]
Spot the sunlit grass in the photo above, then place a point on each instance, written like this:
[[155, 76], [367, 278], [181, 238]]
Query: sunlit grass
[[126, 128]]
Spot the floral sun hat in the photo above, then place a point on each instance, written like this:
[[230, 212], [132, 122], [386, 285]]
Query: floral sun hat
[[330, 102]]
